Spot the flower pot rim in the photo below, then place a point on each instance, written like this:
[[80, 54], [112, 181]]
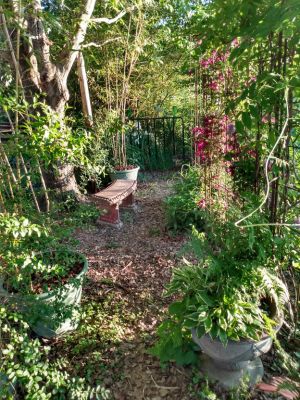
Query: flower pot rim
[[50, 293], [244, 340], [126, 170]]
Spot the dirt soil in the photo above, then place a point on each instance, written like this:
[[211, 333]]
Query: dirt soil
[[123, 304]]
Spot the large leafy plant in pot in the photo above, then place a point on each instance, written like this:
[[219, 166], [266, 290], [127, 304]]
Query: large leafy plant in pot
[[40, 276], [231, 300]]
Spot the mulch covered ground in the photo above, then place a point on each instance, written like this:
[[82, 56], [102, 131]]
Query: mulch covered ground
[[123, 304], [132, 265]]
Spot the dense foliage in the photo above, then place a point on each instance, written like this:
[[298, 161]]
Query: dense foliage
[[182, 207], [229, 73]]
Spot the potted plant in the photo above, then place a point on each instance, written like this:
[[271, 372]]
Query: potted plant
[[121, 168], [128, 172], [231, 301], [40, 276], [232, 318]]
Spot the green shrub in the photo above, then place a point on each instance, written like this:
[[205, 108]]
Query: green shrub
[[182, 209]]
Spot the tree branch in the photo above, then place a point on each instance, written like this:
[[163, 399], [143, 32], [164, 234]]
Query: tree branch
[[93, 44], [32, 74], [40, 42], [110, 21], [78, 38], [80, 35]]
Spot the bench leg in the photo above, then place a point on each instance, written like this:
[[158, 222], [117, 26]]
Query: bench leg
[[129, 203], [111, 216]]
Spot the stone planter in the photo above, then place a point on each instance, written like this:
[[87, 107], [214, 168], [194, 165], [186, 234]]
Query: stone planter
[[52, 313], [238, 360], [126, 174]]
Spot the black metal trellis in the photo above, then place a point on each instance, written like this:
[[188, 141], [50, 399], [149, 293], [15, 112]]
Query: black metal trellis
[[162, 141]]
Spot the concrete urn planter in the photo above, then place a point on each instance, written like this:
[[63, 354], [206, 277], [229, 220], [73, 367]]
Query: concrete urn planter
[[238, 360], [127, 174]]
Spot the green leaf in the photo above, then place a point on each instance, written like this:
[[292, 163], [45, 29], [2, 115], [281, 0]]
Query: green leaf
[[246, 118], [200, 331], [195, 316], [254, 111], [205, 299], [240, 127], [214, 332], [223, 337], [188, 323], [186, 358], [208, 324], [223, 323], [177, 308]]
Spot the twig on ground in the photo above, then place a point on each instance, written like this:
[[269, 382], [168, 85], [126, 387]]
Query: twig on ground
[[163, 387]]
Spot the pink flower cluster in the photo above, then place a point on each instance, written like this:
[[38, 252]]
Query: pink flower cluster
[[214, 58], [235, 42], [204, 136], [214, 85], [202, 203], [217, 137], [266, 118]]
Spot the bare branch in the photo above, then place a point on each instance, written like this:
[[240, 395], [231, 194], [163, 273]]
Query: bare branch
[[24, 167], [84, 90], [44, 187], [80, 35], [93, 44], [31, 73], [110, 21], [15, 5]]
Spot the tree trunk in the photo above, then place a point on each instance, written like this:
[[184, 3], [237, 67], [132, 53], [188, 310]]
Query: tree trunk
[[39, 74], [60, 177]]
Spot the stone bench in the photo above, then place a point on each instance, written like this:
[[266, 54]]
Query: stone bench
[[119, 194]]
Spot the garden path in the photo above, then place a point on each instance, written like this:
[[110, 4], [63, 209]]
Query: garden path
[[132, 266], [123, 304]]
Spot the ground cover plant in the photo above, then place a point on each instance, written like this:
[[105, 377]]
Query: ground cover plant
[[206, 91]]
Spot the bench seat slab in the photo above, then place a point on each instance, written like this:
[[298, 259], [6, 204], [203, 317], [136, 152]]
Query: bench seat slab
[[119, 193]]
